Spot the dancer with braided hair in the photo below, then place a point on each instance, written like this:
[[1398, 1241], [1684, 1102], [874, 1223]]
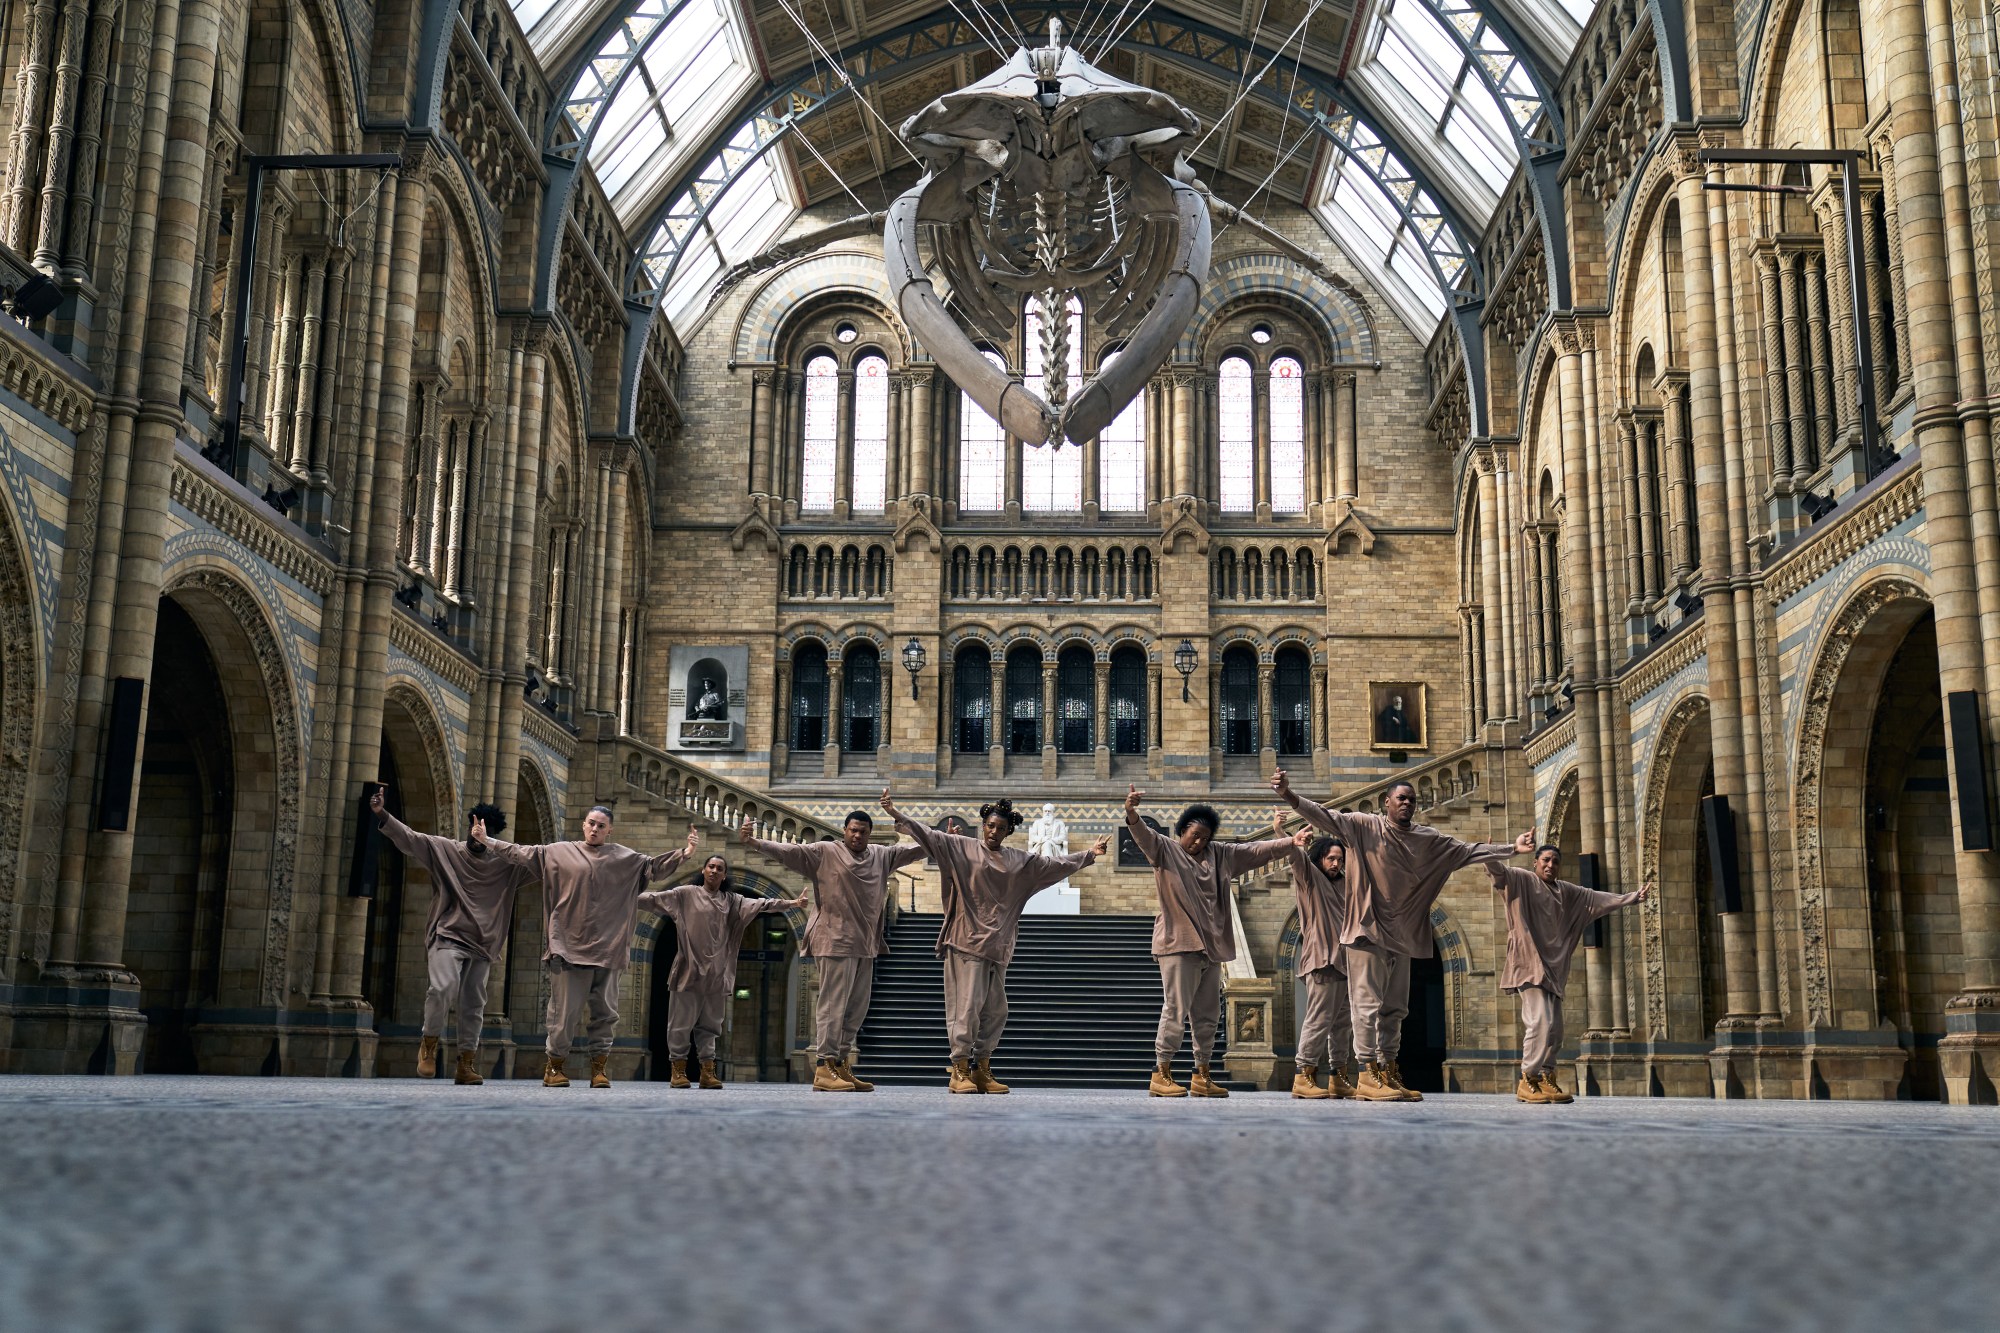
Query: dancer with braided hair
[[986, 886]]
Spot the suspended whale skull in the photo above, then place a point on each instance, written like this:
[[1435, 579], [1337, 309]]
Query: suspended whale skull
[[1050, 177]]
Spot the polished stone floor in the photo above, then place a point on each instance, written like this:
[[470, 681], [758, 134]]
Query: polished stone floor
[[211, 1204]]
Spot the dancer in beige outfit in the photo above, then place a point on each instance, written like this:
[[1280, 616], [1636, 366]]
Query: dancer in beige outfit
[[845, 933], [986, 885], [1396, 869], [1194, 934], [590, 899], [1546, 917], [1325, 1028]]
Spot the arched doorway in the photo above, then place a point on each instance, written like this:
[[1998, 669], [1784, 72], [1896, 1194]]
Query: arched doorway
[[753, 1047], [1681, 924], [1427, 1027], [522, 998], [182, 824], [18, 655], [394, 967]]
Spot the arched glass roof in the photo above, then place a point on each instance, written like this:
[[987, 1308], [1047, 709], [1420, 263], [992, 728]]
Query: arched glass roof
[[662, 96]]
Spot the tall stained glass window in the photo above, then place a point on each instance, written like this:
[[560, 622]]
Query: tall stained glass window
[[822, 435], [1128, 700], [1121, 459], [982, 454], [871, 434], [972, 686], [1052, 475], [1288, 436], [1236, 438]]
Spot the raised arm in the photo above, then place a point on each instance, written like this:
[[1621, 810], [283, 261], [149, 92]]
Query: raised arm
[[1331, 821], [1238, 857], [1143, 837], [659, 867], [1603, 904], [930, 842], [1043, 871]]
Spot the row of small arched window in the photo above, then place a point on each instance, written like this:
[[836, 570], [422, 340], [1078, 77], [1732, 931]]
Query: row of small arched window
[[1011, 574], [1257, 576], [852, 572]]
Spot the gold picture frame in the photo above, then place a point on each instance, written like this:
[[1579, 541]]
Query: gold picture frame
[[1398, 715]]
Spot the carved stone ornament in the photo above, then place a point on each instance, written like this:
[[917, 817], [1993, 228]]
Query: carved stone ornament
[[1049, 176]]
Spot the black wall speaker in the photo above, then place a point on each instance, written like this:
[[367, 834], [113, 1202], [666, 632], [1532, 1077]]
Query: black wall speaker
[[121, 753], [1727, 880], [361, 863], [1590, 874], [37, 298], [1968, 763]]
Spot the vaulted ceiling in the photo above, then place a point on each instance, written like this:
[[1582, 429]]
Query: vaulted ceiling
[[710, 123]]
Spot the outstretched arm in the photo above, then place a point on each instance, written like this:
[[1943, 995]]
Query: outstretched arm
[[1332, 821], [1143, 837], [418, 847], [659, 867], [929, 841]]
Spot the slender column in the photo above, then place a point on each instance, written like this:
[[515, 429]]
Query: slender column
[[1635, 574], [1880, 321], [1003, 713], [1093, 465], [1822, 360], [922, 443], [275, 223], [1898, 293], [76, 264], [511, 591], [1673, 398], [763, 465], [1345, 423], [1538, 658], [1510, 584], [1102, 701], [843, 465], [1777, 415], [1827, 290], [278, 411], [301, 432], [895, 481], [62, 130], [461, 464], [1260, 415], [613, 598], [1649, 507], [1182, 386], [30, 92], [1489, 573], [1798, 390], [595, 601], [332, 336], [89, 138]]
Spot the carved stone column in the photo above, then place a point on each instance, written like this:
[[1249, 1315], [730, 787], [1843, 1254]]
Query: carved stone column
[[763, 466]]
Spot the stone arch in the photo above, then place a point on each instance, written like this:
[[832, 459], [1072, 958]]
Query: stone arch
[[1680, 980], [258, 685], [415, 752], [828, 275], [20, 692], [1325, 301], [1850, 664]]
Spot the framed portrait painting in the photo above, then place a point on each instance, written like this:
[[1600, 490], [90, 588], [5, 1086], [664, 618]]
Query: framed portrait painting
[[1398, 715]]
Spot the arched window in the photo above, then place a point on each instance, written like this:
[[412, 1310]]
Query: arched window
[[822, 435], [861, 699], [1051, 474], [1121, 458], [1024, 699], [1128, 700], [1288, 436], [1142, 575], [1076, 699], [972, 686], [1239, 701], [982, 454], [809, 697], [1291, 701], [871, 434], [1236, 437]]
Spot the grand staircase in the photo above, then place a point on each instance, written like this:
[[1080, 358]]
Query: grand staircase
[[1083, 998]]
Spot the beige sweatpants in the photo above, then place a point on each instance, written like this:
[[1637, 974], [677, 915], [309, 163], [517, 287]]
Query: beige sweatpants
[[1190, 996], [574, 990], [1378, 992], [1541, 1029], [975, 1005], [1326, 1032], [457, 981], [844, 987], [697, 1013]]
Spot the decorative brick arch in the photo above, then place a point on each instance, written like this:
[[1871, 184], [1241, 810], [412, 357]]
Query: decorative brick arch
[[427, 729], [233, 620], [1452, 953], [1323, 300], [809, 283], [1680, 740], [1839, 703], [19, 705]]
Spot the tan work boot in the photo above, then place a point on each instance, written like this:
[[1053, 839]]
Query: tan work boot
[[1305, 1084], [1529, 1089], [982, 1074], [1337, 1086], [466, 1073], [1406, 1094], [828, 1078], [552, 1073], [1374, 1085], [860, 1084], [677, 1074], [708, 1078], [427, 1058], [1163, 1084], [1201, 1085], [598, 1077], [1554, 1089], [961, 1077]]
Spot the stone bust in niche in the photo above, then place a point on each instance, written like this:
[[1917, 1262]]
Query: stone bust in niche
[[710, 704]]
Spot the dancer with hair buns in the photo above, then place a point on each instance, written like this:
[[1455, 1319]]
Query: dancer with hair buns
[[1325, 1029], [1194, 934], [1546, 917], [1397, 870], [986, 886], [709, 917]]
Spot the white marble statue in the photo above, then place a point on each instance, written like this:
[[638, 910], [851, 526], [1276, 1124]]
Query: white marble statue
[[1049, 836]]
